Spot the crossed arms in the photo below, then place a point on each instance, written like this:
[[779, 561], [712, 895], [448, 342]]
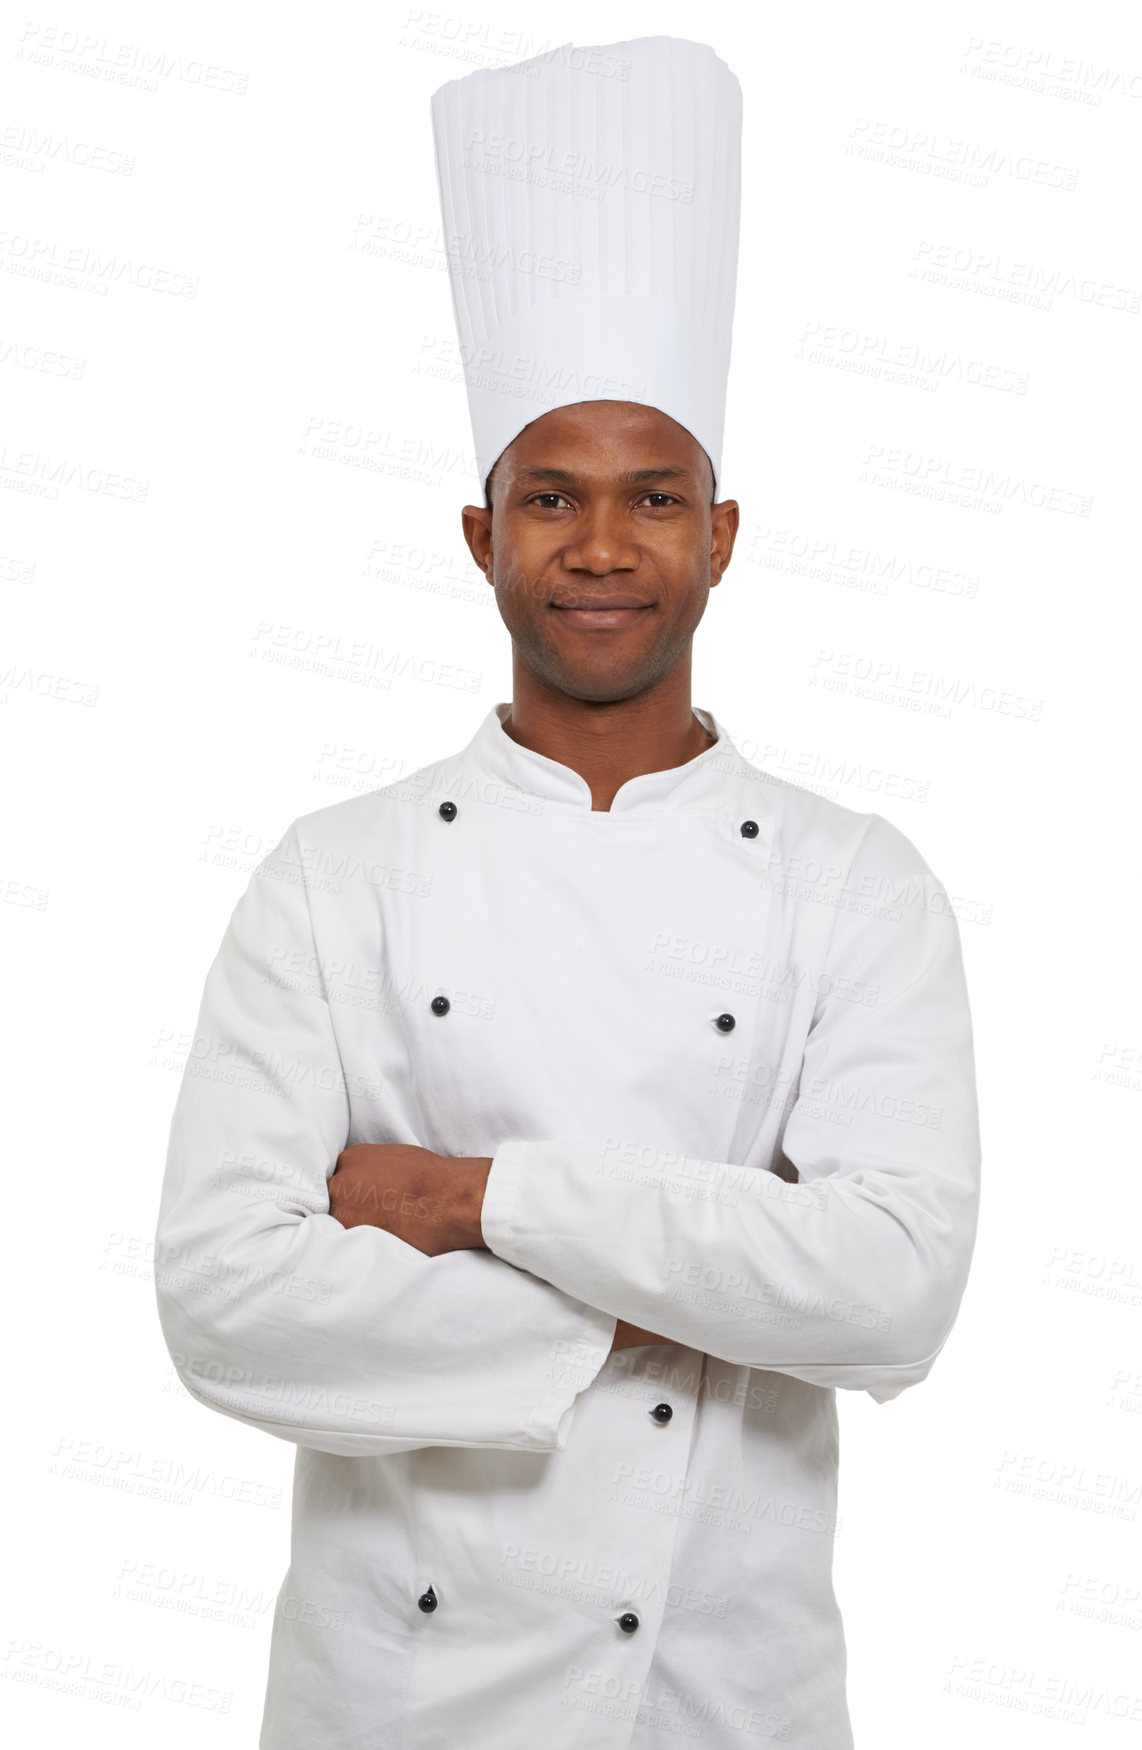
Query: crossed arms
[[363, 1337], [429, 1201]]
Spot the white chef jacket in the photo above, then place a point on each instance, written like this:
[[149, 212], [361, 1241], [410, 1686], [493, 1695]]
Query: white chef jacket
[[503, 1534]]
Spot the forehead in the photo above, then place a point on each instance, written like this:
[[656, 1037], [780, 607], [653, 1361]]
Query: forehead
[[601, 439]]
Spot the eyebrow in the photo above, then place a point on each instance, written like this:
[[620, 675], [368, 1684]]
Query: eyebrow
[[634, 476]]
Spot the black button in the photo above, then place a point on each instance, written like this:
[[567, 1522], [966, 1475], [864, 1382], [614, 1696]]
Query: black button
[[428, 1600], [726, 1023], [448, 811], [749, 827], [628, 1622], [662, 1412], [440, 1005]]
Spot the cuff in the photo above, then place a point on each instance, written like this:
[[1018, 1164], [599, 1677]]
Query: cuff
[[501, 1202], [573, 1365], [572, 1368]]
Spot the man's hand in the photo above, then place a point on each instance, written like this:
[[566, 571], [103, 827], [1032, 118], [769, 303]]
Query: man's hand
[[630, 1336], [430, 1201]]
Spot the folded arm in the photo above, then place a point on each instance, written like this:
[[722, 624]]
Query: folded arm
[[428, 1200], [852, 1276], [347, 1340]]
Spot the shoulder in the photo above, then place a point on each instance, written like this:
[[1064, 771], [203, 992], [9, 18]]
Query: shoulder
[[807, 826], [357, 820]]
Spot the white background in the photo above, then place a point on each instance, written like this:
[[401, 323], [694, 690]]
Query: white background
[[219, 241]]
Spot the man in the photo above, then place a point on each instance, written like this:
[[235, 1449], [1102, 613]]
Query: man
[[569, 1121]]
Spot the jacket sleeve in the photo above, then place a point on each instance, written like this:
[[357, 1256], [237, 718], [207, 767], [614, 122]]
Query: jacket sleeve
[[850, 1277], [346, 1340]]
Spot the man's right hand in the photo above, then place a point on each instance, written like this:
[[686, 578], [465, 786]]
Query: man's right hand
[[630, 1336]]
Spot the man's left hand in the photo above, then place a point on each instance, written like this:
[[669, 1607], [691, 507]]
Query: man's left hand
[[430, 1201]]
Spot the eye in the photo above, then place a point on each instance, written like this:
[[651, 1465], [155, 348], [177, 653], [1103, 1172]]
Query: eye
[[541, 495], [669, 497]]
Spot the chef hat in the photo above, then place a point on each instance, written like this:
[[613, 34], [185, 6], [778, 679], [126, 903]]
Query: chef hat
[[591, 202]]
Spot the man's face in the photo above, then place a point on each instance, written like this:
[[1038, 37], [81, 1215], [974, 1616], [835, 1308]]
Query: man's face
[[602, 502]]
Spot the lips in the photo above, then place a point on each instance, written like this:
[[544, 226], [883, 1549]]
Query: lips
[[601, 612], [596, 603]]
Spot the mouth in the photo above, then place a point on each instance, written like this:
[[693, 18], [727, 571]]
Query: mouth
[[606, 612]]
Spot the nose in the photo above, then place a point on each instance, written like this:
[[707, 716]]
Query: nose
[[600, 543]]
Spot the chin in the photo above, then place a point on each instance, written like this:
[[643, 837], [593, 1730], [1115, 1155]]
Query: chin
[[598, 688]]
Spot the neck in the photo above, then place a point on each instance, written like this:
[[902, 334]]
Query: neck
[[608, 741]]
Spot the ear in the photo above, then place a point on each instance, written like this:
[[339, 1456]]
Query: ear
[[477, 525], [724, 520]]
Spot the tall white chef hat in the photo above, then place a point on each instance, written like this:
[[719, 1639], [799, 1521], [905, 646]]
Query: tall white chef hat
[[591, 200]]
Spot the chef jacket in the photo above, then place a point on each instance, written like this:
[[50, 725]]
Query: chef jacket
[[716, 1040]]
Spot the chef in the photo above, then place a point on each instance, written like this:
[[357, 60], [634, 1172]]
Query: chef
[[567, 1122]]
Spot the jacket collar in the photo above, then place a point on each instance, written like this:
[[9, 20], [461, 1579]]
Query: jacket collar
[[698, 783]]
